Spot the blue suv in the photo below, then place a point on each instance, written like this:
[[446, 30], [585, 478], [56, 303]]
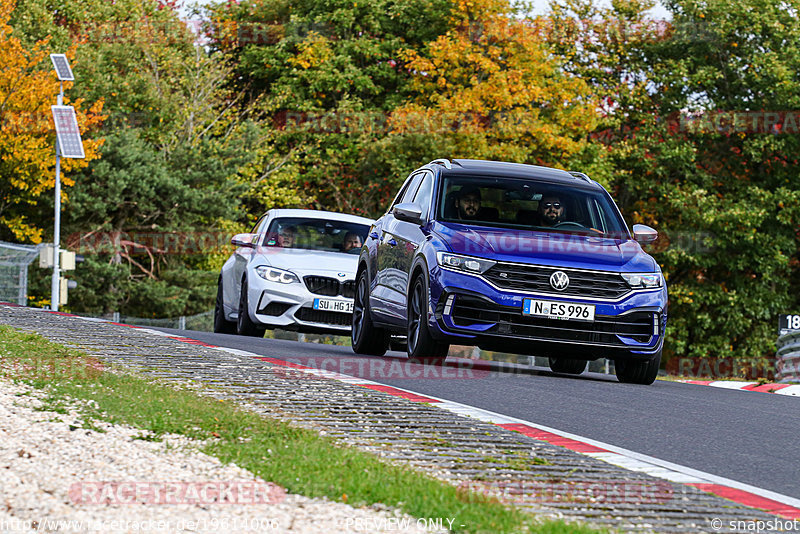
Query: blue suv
[[512, 258]]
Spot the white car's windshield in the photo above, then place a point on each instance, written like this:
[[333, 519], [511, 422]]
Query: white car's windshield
[[316, 234]]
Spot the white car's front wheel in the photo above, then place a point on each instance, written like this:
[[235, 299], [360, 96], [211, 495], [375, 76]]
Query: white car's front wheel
[[244, 325], [221, 324]]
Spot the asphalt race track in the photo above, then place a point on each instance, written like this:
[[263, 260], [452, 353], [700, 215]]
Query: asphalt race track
[[745, 436]]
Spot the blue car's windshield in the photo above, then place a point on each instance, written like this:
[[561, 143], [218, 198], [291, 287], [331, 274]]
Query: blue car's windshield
[[527, 204]]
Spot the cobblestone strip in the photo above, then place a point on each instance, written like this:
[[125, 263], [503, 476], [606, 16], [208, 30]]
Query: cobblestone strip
[[540, 477]]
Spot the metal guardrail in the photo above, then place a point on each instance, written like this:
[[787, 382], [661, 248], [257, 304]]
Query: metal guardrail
[[788, 357], [203, 322], [14, 261]]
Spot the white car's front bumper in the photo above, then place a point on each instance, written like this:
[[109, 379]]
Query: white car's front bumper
[[291, 306]]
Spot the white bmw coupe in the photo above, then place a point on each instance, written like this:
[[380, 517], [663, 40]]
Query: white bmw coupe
[[294, 271]]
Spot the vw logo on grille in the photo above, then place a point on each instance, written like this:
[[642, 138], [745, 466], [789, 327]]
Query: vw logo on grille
[[559, 280]]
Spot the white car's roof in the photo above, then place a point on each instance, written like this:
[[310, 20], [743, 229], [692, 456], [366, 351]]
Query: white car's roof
[[319, 214]]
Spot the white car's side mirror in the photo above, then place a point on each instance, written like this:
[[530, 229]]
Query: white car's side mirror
[[244, 240]]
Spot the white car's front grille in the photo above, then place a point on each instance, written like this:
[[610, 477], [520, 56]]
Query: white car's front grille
[[330, 287]]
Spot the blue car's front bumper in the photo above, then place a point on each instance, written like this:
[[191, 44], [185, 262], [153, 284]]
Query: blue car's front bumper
[[467, 309]]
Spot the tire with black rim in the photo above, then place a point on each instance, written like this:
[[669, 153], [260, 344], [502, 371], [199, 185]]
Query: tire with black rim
[[567, 366], [244, 325], [221, 324], [365, 336], [421, 345], [638, 371]]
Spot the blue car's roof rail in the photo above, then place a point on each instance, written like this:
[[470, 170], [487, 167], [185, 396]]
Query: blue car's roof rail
[[580, 175], [442, 161]]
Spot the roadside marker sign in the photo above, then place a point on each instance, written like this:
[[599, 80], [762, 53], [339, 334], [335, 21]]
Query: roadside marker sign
[[67, 132]]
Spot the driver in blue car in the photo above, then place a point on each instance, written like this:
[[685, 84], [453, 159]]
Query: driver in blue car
[[551, 210], [468, 202]]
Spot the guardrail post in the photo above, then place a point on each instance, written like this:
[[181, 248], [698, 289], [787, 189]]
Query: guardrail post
[[182, 322]]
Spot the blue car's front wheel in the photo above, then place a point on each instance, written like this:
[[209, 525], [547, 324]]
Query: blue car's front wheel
[[638, 371], [365, 336], [421, 345]]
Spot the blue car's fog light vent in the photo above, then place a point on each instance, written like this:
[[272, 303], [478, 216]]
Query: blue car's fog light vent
[[449, 305], [536, 278]]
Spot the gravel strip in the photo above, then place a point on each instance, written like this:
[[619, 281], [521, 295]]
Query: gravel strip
[[545, 479], [55, 473]]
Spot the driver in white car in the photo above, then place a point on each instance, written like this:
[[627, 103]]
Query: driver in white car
[[351, 241], [286, 237], [551, 210]]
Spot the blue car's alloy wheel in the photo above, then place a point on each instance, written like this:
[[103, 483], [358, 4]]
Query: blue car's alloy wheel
[[421, 345], [366, 337]]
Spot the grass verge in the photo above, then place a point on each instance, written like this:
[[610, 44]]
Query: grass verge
[[300, 460]]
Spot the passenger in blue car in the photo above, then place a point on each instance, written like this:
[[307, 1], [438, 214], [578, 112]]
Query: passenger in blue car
[[551, 210]]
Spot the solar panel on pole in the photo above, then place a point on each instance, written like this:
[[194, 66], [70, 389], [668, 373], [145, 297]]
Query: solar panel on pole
[[61, 64], [68, 135]]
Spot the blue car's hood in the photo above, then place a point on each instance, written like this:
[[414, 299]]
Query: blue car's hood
[[544, 248]]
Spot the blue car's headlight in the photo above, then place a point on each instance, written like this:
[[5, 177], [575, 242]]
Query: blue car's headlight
[[276, 275], [464, 263], [643, 280]]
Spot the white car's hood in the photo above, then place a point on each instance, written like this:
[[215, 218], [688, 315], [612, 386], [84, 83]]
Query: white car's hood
[[304, 262]]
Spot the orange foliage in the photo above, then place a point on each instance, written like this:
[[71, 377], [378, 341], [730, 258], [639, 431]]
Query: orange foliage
[[28, 87], [493, 82]]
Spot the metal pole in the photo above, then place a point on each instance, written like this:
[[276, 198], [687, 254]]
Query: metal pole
[[55, 285], [22, 296]]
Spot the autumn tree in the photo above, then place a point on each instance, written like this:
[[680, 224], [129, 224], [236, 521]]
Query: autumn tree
[[176, 142], [325, 76], [28, 87], [491, 88]]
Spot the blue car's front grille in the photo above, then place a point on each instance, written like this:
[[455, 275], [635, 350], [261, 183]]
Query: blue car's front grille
[[509, 321], [536, 278]]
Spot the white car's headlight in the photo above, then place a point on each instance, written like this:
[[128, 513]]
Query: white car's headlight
[[464, 263], [276, 275], [643, 280]]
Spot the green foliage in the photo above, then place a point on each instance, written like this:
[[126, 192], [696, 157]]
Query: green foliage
[[724, 200], [326, 74], [329, 104]]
